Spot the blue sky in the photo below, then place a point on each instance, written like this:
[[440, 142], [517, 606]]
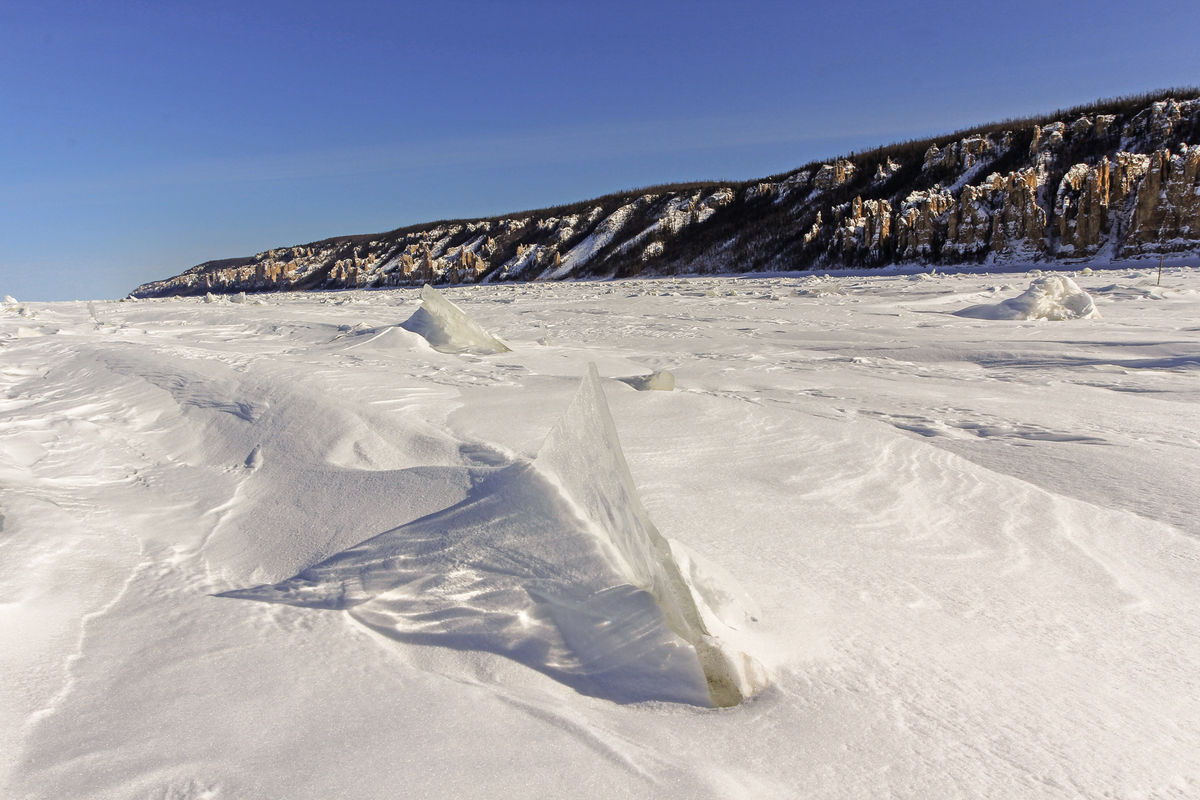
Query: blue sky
[[141, 138]]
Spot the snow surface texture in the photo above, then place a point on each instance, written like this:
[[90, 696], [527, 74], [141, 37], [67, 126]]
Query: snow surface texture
[[447, 328], [972, 543], [1055, 297]]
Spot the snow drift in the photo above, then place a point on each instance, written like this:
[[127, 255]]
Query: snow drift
[[447, 327], [554, 564], [1055, 297]]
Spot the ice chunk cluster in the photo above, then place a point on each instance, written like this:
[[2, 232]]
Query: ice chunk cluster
[[1054, 297], [447, 327]]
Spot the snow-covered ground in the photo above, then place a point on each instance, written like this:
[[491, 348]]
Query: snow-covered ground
[[969, 544]]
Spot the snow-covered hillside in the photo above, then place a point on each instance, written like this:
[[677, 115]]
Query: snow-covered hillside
[[939, 529], [1116, 179]]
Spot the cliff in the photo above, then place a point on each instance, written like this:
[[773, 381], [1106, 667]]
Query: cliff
[[1115, 179]]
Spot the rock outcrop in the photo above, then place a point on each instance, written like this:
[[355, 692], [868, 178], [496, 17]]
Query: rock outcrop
[[1114, 180], [1087, 198], [1000, 215], [865, 226], [1166, 212]]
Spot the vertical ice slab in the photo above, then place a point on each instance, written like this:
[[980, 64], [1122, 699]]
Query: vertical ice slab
[[447, 327], [583, 456]]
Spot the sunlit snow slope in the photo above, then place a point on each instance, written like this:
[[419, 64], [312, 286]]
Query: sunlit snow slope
[[966, 544]]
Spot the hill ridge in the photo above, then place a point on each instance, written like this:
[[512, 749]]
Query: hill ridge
[[1119, 177]]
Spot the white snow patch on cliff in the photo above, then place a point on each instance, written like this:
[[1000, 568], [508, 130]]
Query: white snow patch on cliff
[[597, 240]]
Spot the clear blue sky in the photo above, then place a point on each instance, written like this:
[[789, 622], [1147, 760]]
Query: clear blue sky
[[140, 138]]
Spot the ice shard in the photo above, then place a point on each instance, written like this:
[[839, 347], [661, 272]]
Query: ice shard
[[447, 327], [583, 456]]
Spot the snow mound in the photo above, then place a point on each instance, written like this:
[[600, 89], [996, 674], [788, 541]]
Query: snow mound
[[1055, 297], [553, 564], [447, 327]]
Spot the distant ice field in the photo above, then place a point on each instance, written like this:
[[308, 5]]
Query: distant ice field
[[951, 518]]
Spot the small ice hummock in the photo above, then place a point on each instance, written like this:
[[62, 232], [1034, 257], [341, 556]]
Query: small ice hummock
[[254, 461], [1053, 297], [554, 564], [661, 381], [447, 327]]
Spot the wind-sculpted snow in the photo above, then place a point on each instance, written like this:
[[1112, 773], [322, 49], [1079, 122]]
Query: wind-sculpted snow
[[971, 544], [1055, 297], [596, 602], [510, 570], [448, 328]]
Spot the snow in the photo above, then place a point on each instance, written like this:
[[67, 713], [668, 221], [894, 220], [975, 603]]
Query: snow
[[967, 548], [1055, 297]]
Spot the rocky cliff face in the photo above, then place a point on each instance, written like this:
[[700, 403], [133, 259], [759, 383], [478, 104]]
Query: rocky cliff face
[[1096, 185]]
